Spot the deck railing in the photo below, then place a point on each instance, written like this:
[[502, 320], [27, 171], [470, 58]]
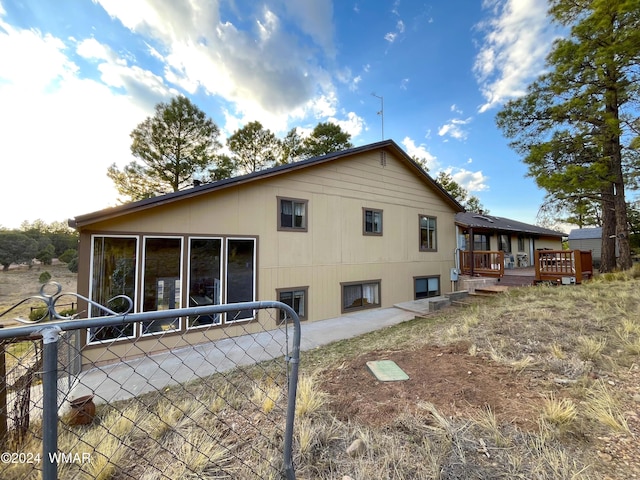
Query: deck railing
[[554, 265], [482, 262]]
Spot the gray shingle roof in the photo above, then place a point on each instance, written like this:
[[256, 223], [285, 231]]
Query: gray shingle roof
[[475, 220], [585, 233]]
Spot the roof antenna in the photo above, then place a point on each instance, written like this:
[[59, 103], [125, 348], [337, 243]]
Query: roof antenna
[[381, 111]]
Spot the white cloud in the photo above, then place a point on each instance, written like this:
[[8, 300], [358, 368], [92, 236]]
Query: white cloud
[[324, 106], [394, 9], [393, 36], [354, 83], [454, 128], [454, 108], [404, 84], [315, 18], [470, 181], [353, 124], [30, 60], [420, 152], [94, 50], [55, 125], [142, 85], [270, 73], [516, 41]]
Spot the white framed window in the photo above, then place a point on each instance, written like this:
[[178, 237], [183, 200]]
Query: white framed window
[[161, 281], [240, 276], [114, 272], [204, 282]]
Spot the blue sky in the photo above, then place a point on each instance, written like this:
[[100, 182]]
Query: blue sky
[[76, 76]]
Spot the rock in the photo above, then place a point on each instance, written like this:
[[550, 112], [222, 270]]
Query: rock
[[636, 398], [347, 477], [356, 448], [605, 456]]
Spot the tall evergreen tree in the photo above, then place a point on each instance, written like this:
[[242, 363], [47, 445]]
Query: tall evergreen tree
[[173, 145], [325, 138], [572, 125], [292, 147], [254, 148]]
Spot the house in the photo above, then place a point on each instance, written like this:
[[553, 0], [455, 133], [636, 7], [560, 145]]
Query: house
[[352, 230], [518, 240]]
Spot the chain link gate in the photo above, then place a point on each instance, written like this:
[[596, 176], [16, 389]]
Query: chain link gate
[[222, 405]]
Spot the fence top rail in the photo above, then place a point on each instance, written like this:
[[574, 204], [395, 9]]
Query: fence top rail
[[65, 324]]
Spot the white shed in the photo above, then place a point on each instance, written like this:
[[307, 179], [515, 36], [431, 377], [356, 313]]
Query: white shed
[[587, 239]]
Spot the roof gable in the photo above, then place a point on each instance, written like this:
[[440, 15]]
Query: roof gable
[[384, 146]]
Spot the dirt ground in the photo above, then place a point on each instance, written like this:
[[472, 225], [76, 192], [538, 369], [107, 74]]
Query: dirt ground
[[22, 282], [448, 377], [460, 385]]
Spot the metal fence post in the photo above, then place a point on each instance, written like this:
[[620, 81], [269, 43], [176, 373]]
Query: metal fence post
[[50, 402], [4, 410], [294, 361]]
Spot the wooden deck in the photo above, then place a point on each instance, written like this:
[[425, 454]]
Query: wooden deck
[[554, 266], [560, 266]]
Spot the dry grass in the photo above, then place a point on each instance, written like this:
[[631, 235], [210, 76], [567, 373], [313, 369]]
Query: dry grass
[[309, 398], [560, 412], [581, 334], [602, 407], [20, 283]]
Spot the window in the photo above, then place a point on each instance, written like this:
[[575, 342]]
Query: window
[[204, 278], [481, 241], [296, 298], [520, 243], [113, 273], [162, 281], [427, 233], [361, 295], [425, 287], [504, 242], [241, 275], [292, 214], [372, 221]]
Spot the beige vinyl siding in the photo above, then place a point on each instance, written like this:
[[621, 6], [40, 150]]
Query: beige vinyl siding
[[554, 243], [333, 249]]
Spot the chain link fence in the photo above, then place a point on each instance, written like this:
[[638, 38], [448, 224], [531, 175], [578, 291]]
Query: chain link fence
[[213, 402]]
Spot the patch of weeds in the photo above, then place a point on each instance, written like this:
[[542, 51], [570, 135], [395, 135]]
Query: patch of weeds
[[309, 397], [590, 348], [560, 412], [602, 407]]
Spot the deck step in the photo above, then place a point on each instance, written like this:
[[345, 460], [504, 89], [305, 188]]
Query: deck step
[[492, 289], [516, 281]]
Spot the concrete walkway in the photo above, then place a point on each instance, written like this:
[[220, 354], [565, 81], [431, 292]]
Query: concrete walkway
[[151, 373]]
